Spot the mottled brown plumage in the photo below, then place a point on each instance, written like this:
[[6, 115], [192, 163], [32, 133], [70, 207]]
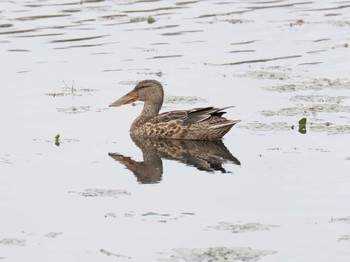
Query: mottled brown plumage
[[204, 123]]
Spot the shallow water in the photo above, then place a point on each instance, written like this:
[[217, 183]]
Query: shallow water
[[275, 195]]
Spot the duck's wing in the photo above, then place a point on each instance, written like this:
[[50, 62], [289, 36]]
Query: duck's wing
[[192, 116]]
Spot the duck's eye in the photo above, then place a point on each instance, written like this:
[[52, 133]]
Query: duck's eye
[[146, 84], [142, 86]]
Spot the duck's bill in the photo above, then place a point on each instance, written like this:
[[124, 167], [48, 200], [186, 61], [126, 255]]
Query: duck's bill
[[127, 99]]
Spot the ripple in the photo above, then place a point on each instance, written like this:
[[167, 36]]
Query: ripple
[[77, 39], [154, 10], [164, 56], [29, 18], [182, 32], [18, 50], [256, 60]]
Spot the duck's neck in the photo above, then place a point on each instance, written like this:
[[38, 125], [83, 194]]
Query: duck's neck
[[149, 111]]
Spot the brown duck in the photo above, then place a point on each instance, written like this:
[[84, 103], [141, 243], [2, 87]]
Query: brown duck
[[204, 123]]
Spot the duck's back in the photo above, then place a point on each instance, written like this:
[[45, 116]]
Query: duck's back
[[196, 124]]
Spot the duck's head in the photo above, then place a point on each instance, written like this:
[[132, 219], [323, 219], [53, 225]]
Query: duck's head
[[150, 91]]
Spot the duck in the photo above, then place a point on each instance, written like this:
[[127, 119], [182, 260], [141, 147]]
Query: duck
[[204, 123]]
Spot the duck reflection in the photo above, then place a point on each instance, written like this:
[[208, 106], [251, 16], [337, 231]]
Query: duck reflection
[[204, 155]]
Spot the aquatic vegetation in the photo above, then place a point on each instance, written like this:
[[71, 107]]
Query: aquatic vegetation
[[74, 109], [319, 99], [138, 19], [150, 216], [217, 254], [111, 214], [5, 159], [341, 219], [13, 242], [315, 84], [307, 110], [150, 20], [238, 21], [155, 214], [57, 140], [344, 238], [53, 234], [314, 126], [302, 126], [258, 126], [184, 100], [96, 192], [71, 90], [67, 90], [108, 253], [241, 228], [298, 22], [272, 72], [302, 122]]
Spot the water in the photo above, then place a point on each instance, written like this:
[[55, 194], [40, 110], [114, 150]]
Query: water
[[278, 196]]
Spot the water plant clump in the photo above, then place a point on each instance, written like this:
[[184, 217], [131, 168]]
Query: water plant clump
[[139, 19]]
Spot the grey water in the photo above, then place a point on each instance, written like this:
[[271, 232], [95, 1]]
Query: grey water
[[74, 186]]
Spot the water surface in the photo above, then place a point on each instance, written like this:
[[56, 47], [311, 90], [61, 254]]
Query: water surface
[[267, 193]]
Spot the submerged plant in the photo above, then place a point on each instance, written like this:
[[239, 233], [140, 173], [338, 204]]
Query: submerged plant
[[138, 19], [150, 20], [57, 140], [302, 126]]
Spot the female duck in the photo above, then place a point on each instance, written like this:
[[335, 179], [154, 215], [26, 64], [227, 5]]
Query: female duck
[[204, 123]]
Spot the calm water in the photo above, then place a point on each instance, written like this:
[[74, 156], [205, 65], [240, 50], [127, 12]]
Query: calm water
[[267, 193]]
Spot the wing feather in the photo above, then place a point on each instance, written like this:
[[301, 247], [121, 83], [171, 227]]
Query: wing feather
[[192, 116]]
